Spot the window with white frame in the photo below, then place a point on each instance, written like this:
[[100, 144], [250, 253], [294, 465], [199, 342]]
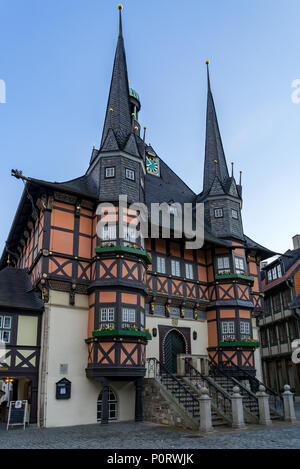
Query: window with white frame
[[129, 233], [128, 315], [218, 212], [161, 265], [109, 173], [129, 174], [228, 329], [189, 273], [5, 329], [175, 268], [107, 317], [223, 265], [239, 264], [109, 232], [234, 214], [245, 330], [142, 319]]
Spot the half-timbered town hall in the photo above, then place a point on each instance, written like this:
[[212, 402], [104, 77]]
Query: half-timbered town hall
[[94, 325]]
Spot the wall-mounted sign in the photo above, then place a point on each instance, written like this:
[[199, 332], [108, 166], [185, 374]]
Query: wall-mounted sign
[[63, 389]]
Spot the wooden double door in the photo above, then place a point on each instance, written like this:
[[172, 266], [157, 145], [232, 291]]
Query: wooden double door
[[174, 345]]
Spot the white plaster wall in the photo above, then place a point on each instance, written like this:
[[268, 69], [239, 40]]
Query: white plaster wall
[[67, 334], [198, 347], [257, 356]]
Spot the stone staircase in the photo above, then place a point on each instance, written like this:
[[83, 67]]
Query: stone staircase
[[250, 401]]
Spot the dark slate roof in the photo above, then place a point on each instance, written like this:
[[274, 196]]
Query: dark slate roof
[[213, 146], [83, 186], [119, 119], [170, 188], [295, 303], [287, 260], [265, 253], [16, 290]]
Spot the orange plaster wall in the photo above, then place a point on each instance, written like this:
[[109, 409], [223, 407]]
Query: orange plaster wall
[[229, 313], [142, 302], [108, 263], [210, 272], [92, 299], [160, 245], [175, 249], [239, 252], [211, 315], [244, 314], [84, 249], [188, 254], [201, 257], [212, 334], [85, 226], [202, 273], [67, 269], [297, 281], [253, 268], [62, 219], [61, 241], [91, 321], [129, 298], [107, 297]]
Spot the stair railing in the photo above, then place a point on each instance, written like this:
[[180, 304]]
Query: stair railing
[[275, 399], [219, 397], [251, 401], [157, 370]]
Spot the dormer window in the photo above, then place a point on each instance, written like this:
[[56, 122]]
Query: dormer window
[[274, 273], [234, 214], [218, 212], [109, 173], [239, 265], [129, 174], [223, 265]]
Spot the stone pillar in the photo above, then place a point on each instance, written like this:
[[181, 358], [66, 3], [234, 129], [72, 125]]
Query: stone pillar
[[105, 395], [180, 365], [205, 411], [288, 403], [138, 400], [263, 406], [237, 409]]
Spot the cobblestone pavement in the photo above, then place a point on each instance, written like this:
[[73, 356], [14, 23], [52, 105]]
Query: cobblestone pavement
[[130, 435]]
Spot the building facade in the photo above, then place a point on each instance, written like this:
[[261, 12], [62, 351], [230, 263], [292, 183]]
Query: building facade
[[112, 301], [280, 322]]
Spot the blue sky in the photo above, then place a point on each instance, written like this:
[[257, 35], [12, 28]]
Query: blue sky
[[56, 60]]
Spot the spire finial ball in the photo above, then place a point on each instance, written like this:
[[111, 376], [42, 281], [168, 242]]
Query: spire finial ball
[[120, 7], [207, 62]]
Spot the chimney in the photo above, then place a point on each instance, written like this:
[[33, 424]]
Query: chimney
[[296, 241]]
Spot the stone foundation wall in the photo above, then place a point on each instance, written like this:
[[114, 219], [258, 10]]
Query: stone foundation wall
[[160, 407]]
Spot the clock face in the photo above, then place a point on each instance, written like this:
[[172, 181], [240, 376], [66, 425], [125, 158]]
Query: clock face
[[152, 166]]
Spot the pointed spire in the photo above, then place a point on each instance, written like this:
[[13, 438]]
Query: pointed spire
[[214, 151], [118, 107]]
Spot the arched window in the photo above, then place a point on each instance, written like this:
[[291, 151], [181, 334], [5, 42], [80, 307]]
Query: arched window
[[112, 406]]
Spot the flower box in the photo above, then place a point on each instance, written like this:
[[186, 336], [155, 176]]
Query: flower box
[[128, 249], [122, 333], [242, 343], [235, 277]]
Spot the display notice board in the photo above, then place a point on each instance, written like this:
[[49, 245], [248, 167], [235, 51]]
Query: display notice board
[[18, 414]]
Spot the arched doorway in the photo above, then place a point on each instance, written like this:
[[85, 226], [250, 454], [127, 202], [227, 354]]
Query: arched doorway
[[112, 406], [174, 345]]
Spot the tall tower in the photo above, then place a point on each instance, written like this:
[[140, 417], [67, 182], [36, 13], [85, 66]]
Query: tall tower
[[117, 336], [221, 194]]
